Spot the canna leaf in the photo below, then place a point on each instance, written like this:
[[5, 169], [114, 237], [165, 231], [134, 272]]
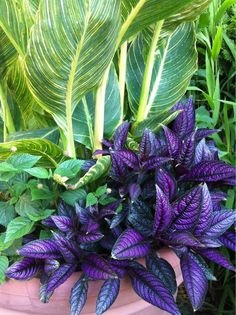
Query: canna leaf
[[107, 295], [130, 244]]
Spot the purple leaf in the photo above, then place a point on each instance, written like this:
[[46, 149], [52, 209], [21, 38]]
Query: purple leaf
[[202, 152], [204, 132], [65, 210], [51, 265], [118, 168], [60, 276], [62, 222], [154, 162], [187, 209], [163, 213], [118, 218], [87, 165], [148, 145], [185, 122], [221, 221], [130, 244], [152, 290], [195, 280], [134, 191], [163, 270], [230, 181], [24, 269], [129, 158], [210, 242], [201, 262], [184, 238], [107, 143], [216, 257], [78, 296], [107, 295], [229, 240], [68, 249], [49, 222], [187, 151], [141, 218], [166, 182], [41, 249], [206, 212], [120, 136], [119, 266], [43, 294], [210, 171], [173, 142], [93, 236], [97, 268], [82, 213], [217, 196]]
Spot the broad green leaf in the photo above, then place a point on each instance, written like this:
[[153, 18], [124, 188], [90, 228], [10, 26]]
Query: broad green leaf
[[7, 213], [4, 263], [4, 245], [51, 134], [138, 14], [101, 191], [40, 215], [99, 169], [71, 45], [50, 152], [12, 249], [83, 117], [42, 194], [72, 196], [7, 167], [17, 228], [69, 168], [25, 205], [173, 67], [8, 54], [155, 122], [22, 161], [38, 172], [91, 199]]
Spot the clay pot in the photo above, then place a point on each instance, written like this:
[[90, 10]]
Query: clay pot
[[22, 298]]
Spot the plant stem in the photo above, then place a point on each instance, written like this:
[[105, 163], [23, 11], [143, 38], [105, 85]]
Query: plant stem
[[142, 113], [9, 126], [99, 113], [122, 77]]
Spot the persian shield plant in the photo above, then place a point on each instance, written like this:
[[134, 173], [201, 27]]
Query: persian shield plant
[[168, 193]]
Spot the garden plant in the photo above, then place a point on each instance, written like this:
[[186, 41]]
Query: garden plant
[[101, 163]]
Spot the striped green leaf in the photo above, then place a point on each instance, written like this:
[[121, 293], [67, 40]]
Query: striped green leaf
[[50, 152], [83, 117], [51, 134], [71, 45], [173, 67], [138, 14], [4, 263], [99, 169]]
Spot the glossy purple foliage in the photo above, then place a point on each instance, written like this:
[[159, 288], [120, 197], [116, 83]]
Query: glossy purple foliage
[[168, 192]]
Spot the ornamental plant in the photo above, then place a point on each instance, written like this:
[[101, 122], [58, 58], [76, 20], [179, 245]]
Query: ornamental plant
[[168, 191]]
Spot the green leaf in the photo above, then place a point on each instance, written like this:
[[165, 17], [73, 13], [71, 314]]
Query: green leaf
[[83, 116], [7, 167], [4, 263], [99, 169], [17, 228], [138, 14], [83, 36], [51, 134], [155, 122], [4, 245], [7, 213], [12, 249], [216, 100], [38, 172], [43, 193], [25, 205], [72, 196], [23, 161], [173, 67], [91, 199], [40, 215], [44, 234], [217, 43], [221, 9], [101, 191], [50, 153], [69, 168]]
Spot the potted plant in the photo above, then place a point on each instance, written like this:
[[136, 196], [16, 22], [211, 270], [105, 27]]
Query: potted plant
[[69, 218]]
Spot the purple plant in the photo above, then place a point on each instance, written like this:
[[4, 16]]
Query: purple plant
[[166, 194]]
